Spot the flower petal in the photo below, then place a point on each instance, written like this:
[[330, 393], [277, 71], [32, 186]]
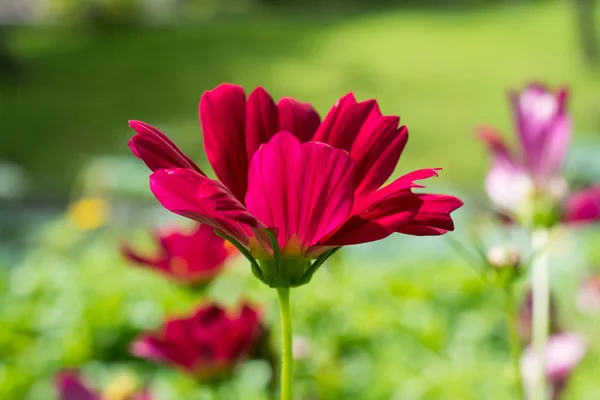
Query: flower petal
[[374, 141], [583, 206], [136, 257], [208, 342], [381, 213], [175, 344], [202, 249], [303, 190], [433, 217], [186, 192], [261, 120], [301, 119], [143, 395], [157, 150], [234, 129], [71, 387], [544, 129], [223, 118], [507, 184]]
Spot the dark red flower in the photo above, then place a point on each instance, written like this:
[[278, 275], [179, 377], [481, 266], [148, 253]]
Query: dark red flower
[[210, 342], [188, 258], [290, 184]]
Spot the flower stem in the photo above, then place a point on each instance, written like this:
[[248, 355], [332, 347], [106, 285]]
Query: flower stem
[[541, 311], [514, 341], [287, 366]]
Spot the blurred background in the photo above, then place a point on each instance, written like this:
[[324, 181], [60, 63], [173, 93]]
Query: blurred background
[[73, 72]]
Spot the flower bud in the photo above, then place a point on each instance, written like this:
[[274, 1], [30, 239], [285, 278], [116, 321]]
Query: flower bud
[[504, 257]]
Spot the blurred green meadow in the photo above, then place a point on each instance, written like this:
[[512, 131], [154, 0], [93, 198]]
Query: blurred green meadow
[[443, 71], [402, 319]]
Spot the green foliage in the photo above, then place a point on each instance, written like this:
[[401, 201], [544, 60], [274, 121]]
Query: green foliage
[[395, 329]]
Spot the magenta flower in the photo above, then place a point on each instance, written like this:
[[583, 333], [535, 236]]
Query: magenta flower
[[564, 351], [528, 183], [206, 344], [71, 387], [292, 187], [188, 258]]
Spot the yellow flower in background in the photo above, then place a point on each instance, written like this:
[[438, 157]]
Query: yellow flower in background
[[88, 213], [123, 387]]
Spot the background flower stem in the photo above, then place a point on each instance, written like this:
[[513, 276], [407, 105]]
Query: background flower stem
[[514, 340], [541, 310], [287, 366]]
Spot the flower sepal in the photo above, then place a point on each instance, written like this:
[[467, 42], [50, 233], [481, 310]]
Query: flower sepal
[[285, 272]]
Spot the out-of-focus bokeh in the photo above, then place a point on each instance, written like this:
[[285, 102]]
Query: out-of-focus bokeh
[[401, 319]]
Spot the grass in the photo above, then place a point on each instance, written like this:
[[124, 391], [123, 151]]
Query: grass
[[443, 73]]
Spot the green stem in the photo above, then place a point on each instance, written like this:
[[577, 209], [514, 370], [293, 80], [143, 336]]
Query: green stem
[[541, 310], [287, 362], [514, 341]]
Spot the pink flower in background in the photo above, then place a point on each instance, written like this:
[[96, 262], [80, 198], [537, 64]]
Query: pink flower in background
[[189, 258], [564, 351], [208, 343], [71, 387], [583, 206], [588, 297], [532, 173], [290, 185]]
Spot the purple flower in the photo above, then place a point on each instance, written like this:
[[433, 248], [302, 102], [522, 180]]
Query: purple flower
[[527, 183], [564, 351]]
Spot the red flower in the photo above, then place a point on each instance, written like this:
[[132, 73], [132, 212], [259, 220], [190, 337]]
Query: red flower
[[290, 185], [206, 344], [191, 258], [71, 387]]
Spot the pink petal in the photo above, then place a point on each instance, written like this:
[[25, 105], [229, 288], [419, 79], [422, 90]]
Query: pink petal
[[174, 344], [433, 217], [71, 387], [299, 118], [156, 149], [202, 249], [134, 256], [143, 395], [374, 141], [381, 213], [234, 129], [303, 190], [544, 129], [223, 118], [507, 184], [564, 351], [262, 120], [583, 206], [186, 192]]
